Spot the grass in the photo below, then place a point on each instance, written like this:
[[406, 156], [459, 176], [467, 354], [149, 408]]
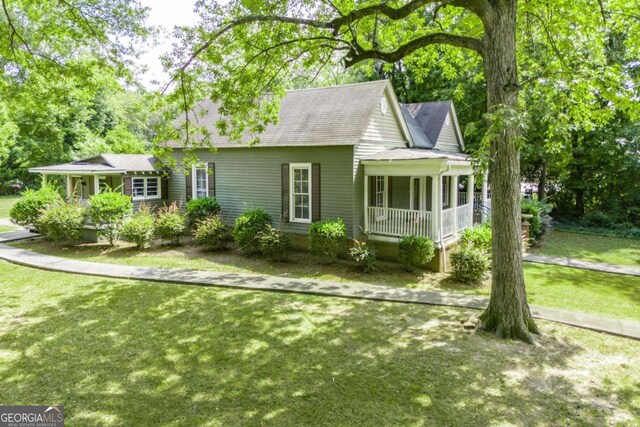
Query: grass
[[4, 228], [5, 205], [586, 291], [118, 352], [613, 250]]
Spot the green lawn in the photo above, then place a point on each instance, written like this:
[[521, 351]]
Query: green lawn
[[4, 228], [5, 205], [591, 248], [603, 294], [118, 352]]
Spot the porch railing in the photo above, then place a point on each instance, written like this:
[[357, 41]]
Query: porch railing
[[462, 217], [477, 201], [462, 199], [399, 222], [447, 222]]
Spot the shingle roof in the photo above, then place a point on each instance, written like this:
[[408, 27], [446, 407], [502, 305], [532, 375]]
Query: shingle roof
[[106, 163], [418, 135], [336, 115], [430, 116], [415, 154]]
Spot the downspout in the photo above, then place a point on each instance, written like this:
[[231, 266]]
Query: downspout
[[444, 251]]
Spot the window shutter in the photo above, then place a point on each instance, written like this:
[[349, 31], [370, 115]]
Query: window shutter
[[285, 192], [92, 185], [126, 184], [315, 192], [389, 192], [164, 186], [211, 177], [188, 179]]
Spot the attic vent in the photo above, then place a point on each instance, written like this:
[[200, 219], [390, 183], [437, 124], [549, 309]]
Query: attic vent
[[383, 105]]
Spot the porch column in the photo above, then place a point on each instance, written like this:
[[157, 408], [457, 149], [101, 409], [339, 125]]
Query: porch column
[[483, 208], [366, 203], [436, 207], [453, 194], [470, 188], [69, 195], [44, 179]]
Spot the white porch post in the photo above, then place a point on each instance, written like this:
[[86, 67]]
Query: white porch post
[[44, 179], [366, 203], [453, 197], [436, 206], [485, 181], [470, 188], [69, 196]]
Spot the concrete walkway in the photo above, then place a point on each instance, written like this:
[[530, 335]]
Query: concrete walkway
[[585, 265], [624, 328], [12, 236]]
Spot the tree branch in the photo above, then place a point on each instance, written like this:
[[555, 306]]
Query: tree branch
[[359, 55]]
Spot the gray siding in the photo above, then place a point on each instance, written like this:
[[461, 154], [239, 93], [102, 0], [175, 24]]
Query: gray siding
[[384, 127], [251, 177], [448, 138]]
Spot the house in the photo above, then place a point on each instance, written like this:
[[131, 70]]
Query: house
[[351, 152]]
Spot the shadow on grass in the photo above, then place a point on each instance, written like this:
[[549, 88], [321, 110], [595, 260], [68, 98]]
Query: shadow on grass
[[132, 353]]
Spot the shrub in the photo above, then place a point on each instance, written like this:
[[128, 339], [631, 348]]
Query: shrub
[[363, 255], [597, 219], [62, 222], [140, 228], [212, 233], [201, 209], [27, 209], [108, 210], [478, 237], [415, 252], [275, 244], [538, 223], [328, 238], [247, 227], [469, 264], [170, 224]]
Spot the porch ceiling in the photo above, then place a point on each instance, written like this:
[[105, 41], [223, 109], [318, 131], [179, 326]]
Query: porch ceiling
[[416, 162]]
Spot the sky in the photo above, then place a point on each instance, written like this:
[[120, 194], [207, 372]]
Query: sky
[[164, 14]]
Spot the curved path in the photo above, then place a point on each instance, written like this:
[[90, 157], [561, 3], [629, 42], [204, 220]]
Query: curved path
[[585, 265], [24, 257]]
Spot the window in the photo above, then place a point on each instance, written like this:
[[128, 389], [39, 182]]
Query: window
[[103, 184], [379, 201], [300, 177], [145, 188], [200, 182], [446, 181]]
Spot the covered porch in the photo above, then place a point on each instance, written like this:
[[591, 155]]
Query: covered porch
[[425, 193]]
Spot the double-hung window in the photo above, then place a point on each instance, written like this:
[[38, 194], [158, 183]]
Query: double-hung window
[[200, 181], [380, 193], [300, 190], [145, 188]]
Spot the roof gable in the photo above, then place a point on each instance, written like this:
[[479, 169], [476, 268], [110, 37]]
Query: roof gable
[[431, 117]]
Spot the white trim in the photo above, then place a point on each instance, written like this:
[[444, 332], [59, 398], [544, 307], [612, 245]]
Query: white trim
[[422, 196], [145, 179], [292, 210], [194, 180]]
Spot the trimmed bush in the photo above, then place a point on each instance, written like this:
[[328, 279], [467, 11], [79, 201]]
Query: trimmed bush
[[328, 238], [201, 209], [170, 224], [478, 237], [539, 222], [469, 264], [598, 219], [248, 226], [27, 209], [275, 244], [415, 252], [140, 228], [62, 222], [108, 210], [363, 255], [212, 233]]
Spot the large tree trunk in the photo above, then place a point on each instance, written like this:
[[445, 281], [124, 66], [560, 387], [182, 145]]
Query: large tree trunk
[[508, 313]]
